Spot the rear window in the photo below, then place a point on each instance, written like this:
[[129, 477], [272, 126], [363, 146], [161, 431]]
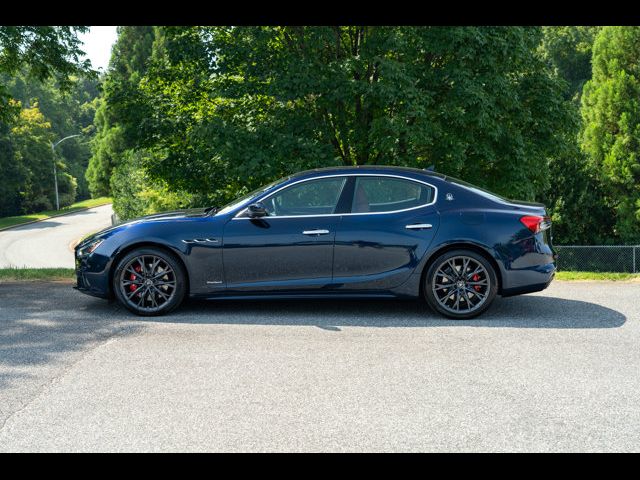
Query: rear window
[[388, 194]]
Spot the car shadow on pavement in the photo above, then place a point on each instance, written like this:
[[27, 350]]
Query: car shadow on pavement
[[515, 312]]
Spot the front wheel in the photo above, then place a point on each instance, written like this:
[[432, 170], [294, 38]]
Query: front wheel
[[149, 281], [460, 284]]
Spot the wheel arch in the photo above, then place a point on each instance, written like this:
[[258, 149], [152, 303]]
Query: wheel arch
[[146, 244], [462, 245]]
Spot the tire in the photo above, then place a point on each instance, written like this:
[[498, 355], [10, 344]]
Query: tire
[[457, 294], [149, 281]]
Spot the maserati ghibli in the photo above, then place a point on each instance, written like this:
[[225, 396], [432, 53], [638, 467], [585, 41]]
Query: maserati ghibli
[[372, 231]]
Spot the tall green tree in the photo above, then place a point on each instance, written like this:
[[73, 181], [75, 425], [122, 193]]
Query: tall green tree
[[611, 124], [230, 108], [575, 186], [121, 98]]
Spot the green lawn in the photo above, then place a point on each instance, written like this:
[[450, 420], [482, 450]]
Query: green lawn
[[11, 274], [92, 202], [596, 276]]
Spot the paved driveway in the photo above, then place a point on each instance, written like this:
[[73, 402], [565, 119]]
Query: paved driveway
[[557, 370], [46, 244]]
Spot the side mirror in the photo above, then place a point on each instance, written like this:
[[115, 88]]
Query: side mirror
[[257, 210]]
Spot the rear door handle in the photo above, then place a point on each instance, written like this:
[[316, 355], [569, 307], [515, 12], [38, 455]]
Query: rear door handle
[[419, 226], [315, 232]]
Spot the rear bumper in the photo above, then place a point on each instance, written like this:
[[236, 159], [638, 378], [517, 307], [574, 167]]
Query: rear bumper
[[530, 280]]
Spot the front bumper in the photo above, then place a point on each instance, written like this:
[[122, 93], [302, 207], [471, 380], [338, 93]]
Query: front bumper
[[90, 281]]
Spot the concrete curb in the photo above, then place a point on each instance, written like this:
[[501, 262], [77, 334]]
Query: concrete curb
[[53, 216]]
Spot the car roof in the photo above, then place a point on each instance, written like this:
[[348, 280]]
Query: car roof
[[388, 169]]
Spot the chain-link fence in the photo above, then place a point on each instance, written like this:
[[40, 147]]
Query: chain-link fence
[[599, 258]]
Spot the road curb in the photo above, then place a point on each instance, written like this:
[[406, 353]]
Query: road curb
[[53, 216]]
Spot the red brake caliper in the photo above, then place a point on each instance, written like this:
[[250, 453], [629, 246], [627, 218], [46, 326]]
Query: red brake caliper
[[132, 277], [475, 278]]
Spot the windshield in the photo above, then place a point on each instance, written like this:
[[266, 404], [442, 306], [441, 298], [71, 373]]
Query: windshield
[[246, 199]]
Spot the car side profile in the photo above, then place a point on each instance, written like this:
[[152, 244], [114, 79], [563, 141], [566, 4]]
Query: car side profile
[[373, 231]]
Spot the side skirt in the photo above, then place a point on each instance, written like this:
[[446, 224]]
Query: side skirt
[[291, 296]]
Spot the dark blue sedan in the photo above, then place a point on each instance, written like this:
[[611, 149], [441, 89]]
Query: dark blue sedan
[[335, 232]]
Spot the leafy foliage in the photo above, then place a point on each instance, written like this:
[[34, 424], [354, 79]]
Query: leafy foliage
[[32, 136], [568, 49], [44, 52], [226, 109], [120, 87], [46, 93], [575, 187], [611, 124]]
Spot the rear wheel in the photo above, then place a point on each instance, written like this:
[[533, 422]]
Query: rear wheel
[[460, 284], [149, 281]]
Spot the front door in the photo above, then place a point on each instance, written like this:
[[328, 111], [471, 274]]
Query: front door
[[289, 249]]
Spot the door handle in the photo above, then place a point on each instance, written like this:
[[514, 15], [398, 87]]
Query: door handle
[[419, 226], [315, 232]]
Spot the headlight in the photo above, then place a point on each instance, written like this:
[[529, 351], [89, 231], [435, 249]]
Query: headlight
[[89, 247]]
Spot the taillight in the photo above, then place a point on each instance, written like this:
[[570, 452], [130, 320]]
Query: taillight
[[536, 223]]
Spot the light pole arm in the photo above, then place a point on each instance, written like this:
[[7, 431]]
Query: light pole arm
[[54, 145]]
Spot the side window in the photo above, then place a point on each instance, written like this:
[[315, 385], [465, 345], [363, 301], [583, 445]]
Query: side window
[[386, 194], [314, 197]]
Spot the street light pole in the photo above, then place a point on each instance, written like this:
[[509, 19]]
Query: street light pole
[[55, 171]]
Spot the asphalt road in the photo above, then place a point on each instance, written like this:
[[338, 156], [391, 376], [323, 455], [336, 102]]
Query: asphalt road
[[46, 244], [553, 371]]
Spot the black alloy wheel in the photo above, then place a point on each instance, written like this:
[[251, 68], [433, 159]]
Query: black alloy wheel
[[460, 284], [149, 281]]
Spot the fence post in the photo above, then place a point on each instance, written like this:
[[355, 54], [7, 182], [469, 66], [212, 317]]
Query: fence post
[[634, 258]]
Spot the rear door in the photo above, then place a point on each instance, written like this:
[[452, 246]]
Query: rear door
[[380, 241]]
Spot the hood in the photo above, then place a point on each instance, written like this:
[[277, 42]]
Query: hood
[[176, 215], [173, 215]]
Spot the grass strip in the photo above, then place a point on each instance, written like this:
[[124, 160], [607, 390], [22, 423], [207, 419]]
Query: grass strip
[[36, 274], [6, 222], [614, 276]]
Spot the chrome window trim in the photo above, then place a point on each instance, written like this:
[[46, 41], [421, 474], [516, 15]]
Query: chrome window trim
[[435, 197]]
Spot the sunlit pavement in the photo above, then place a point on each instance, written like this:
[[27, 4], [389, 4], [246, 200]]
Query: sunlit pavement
[[556, 370]]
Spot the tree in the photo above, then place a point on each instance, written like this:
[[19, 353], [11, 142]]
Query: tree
[[568, 49], [128, 62], [34, 54], [32, 138], [227, 109], [69, 112], [611, 124], [45, 52], [575, 187], [12, 175]]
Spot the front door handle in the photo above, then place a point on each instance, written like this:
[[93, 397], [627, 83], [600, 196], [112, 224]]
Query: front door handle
[[315, 232], [419, 226]]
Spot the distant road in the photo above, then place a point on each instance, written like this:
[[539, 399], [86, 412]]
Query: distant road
[[45, 244]]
